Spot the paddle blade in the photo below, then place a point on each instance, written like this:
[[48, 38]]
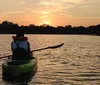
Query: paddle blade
[[57, 46]]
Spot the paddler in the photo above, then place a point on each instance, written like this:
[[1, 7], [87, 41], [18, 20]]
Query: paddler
[[20, 47]]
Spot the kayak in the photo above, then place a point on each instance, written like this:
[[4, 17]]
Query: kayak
[[19, 67], [23, 78]]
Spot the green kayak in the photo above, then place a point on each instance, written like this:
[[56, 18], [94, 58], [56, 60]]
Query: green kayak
[[18, 67]]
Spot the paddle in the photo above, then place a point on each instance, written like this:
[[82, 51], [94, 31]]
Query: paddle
[[50, 47]]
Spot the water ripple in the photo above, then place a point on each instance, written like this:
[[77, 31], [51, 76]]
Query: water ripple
[[75, 63]]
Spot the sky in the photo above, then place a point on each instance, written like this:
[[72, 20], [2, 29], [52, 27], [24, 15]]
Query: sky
[[51, 12]]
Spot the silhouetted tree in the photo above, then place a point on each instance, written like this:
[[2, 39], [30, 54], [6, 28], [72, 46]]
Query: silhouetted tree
[[9, 27]]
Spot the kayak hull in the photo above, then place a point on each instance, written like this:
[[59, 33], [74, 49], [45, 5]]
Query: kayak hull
[[22, 78], [19, 67]]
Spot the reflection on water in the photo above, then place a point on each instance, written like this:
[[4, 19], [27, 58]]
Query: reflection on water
[[22, 79]]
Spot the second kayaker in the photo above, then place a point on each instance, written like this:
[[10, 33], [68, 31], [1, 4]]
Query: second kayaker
[[20, 47]]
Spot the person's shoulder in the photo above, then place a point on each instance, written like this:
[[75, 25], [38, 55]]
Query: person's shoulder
[[12, 42]]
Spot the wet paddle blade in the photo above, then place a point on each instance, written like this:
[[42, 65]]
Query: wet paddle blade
[[57, 46]]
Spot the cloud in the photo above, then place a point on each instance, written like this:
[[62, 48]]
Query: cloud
[[73, 8], [47, 3], [20, 2], [86, 8], [53, 7], [73, 1], [41, 12], [14, 12], [45, 16]]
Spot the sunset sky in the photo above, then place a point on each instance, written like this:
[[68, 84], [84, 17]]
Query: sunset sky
[[52, 12]]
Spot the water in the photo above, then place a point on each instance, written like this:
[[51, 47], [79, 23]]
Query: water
[[77, 62]]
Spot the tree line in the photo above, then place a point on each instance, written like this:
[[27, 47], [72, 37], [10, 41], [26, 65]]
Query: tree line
[[7, 27]]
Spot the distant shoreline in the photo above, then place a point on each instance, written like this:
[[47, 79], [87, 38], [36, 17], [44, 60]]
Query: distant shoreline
[[49, 34], [11, 28]]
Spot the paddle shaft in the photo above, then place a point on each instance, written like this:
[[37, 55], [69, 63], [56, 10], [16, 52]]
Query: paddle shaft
[[50, 47]]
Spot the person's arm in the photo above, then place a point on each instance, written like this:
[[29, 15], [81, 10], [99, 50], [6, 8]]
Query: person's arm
[[28, 46], [11, 47]]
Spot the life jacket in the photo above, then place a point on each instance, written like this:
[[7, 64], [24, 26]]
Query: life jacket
[[20, 52], [21, 38], [22, 44]]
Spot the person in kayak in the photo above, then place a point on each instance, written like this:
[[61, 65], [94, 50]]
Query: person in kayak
[[20, 47]]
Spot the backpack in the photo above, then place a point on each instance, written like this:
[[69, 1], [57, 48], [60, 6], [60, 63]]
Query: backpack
[[20, 53]]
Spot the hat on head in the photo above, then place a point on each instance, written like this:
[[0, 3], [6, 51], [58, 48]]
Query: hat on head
[[20, 33]]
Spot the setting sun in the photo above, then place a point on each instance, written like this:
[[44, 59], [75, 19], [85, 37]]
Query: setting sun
[[46, 22]]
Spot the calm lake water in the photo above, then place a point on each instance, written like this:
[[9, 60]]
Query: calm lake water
[[77, 62]]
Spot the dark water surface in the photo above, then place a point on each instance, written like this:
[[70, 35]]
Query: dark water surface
[[75, 63]]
